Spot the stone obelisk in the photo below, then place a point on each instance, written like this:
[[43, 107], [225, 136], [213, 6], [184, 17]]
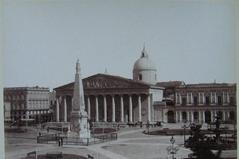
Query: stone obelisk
[[79, 117]]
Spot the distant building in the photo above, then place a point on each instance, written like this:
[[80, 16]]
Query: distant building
[[7, 111], [27, 103], [200, 102]]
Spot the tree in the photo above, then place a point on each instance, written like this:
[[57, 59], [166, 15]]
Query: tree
[[201, 145]]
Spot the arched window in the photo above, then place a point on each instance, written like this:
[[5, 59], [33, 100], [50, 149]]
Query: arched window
[[140, 76]]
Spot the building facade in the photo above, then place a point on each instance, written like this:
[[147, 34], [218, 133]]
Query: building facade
[[111, 99], [200, 103], [27, 103]]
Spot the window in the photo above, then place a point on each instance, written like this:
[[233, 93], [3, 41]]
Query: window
[[195, 100], [140, 76], [219, 99], [232, 102], [207, 100], [184, 101]]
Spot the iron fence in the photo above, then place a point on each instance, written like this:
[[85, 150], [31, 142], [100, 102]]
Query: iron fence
[[76, 140]]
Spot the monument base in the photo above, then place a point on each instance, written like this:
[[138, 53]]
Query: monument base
[[80, 125]]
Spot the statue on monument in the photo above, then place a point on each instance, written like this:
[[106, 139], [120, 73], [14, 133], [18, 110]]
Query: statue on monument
[[79, 117]]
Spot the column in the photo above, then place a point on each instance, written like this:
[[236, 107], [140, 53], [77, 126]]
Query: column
[[224, 116], [96, 109], [149, 108], [228, 98], [57, 110], [188, 99], [65, 110], [199, 117], [191, 98], [203, 117], [211, 98], [176, 97], [228, 115], [105, 109], [180, 116], [130, 109], [192, 116], [199, 98], [122, 108], [223, 98], [139, 104], [212, 116], [88, 105], [203, 98], [113, 109], [180, 99], [176, 116], [188, 117], [215, 98]]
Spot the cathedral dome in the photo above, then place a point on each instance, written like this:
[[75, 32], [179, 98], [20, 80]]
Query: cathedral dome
[[144, 69], [144, 63]]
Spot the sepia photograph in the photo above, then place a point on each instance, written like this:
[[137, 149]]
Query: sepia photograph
[[91, 79]]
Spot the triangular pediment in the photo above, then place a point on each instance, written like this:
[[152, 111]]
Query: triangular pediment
[[109, 81], [104, 81]]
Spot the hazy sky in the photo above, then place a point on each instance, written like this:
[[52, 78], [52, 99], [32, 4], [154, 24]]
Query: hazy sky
[[193, 41]]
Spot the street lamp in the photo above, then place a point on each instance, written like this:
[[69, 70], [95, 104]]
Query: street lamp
[[184, 129], [171, 149]]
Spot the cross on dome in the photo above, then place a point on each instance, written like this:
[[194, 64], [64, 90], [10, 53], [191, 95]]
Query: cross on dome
[[144, 52]]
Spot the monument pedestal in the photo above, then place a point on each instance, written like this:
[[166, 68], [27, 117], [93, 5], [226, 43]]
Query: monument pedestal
[[80, 124]]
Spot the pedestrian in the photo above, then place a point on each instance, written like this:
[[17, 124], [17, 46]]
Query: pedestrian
[[59, 142]]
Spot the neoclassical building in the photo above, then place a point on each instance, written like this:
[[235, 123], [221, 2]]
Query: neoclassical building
[[111, 98], [23, 103], [199, 102]]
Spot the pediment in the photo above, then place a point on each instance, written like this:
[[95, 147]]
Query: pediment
[[103, 81]]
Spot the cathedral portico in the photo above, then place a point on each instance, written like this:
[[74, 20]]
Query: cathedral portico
[[123, 101]]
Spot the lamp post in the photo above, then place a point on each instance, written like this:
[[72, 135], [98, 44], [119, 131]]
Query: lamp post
[[172, 140], [184, 129], [171, 149]]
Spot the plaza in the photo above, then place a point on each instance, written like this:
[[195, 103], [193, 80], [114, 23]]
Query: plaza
[[132, 143]]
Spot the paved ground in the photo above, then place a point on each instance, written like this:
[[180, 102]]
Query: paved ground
[[131, 144]]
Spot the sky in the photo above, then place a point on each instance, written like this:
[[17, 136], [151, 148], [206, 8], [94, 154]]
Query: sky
[[193, 41]]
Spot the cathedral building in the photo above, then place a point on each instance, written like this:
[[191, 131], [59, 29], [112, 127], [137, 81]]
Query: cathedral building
[[117, 99]]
